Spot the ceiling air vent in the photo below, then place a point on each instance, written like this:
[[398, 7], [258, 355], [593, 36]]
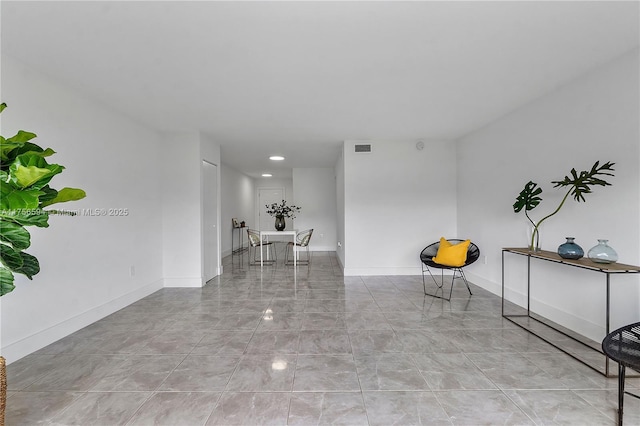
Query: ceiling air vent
[[363, 148]]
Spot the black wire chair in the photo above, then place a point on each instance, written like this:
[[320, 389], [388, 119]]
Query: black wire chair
[[623, 346], [426, 257]]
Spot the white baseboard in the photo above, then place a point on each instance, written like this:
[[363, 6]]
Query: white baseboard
[[584, 326], [409, 270], [495, 288], [23, 347], [322, 248], [184, 282]]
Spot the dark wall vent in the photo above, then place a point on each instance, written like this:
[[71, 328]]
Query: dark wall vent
[[363, 148]]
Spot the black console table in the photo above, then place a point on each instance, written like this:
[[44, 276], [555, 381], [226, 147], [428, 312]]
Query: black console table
[[241, 248], [534, 323]]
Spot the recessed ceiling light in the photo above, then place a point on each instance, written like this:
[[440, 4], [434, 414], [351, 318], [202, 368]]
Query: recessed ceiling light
[[276, 158], [267, 175]]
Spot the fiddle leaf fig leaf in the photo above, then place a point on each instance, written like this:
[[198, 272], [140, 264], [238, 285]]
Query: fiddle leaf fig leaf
[[12, 198], [14, 234], [48, 194], [32, 170], [10, 257], [64, 195], [6, 281], [32, 148], [528, 198], [30, 265], [22, 137], [27, 176], [6, 147], [24, 190], [36, 217]]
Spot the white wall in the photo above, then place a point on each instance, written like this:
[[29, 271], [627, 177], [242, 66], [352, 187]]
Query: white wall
[[592, 118], [182, 206], [85, 260], [339, 170], [397, 200], [315, 193], [209, 152], [182, 263], [237, 200]]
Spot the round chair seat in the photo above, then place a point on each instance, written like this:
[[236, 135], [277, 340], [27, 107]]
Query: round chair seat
[[426, 257], [430, 251]]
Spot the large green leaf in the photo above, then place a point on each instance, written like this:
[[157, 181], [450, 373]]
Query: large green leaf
[[10, 257], [48, 194], [22, 136], [27, 176], [22, 206], [32, 148], [12, 198], [10, 150], [580, 183], [24, 190], [35, 217], [64, 195], [30, 265], [17, 141], [32, 170], [14, 234], [6, 281], [6, 147], [528, 198]]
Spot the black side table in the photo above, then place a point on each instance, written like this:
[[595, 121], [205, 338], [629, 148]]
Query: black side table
[[623, 346]]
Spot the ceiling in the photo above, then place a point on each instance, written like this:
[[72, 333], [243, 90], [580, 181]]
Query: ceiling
[[298, 78]]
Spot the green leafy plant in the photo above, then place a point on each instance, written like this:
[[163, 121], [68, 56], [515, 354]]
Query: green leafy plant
[[24, 192], [577, 184], [282, 210]]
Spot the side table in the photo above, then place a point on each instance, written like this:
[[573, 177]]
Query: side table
[[529, 318], [241, 247]]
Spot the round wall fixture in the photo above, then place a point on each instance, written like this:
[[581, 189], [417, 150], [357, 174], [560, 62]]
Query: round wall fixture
[[419, 145]]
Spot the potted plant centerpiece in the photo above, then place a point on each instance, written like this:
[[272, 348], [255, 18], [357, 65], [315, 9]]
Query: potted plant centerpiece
[[25, 175], [280, 212], [577, 184]]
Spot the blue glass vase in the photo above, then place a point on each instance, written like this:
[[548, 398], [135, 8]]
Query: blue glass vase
[[602, 253], [570, 250]]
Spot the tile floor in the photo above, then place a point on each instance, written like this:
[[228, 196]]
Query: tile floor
[[263, 348]]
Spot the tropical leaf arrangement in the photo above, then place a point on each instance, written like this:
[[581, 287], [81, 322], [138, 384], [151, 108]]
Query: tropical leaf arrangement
[[24, 193], [577, 184], [282, 210]]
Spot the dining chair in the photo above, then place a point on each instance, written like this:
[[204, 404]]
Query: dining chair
[[302, 240], [254, 244]]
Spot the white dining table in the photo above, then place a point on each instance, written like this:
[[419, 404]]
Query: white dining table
[[274, 232]]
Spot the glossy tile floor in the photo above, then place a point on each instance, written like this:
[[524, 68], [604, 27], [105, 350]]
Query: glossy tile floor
[[262, 348]]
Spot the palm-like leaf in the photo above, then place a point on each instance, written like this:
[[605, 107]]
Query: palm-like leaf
[[528, 198], [580, 183]]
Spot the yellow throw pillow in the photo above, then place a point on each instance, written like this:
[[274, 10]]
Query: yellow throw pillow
[[452, 254]]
